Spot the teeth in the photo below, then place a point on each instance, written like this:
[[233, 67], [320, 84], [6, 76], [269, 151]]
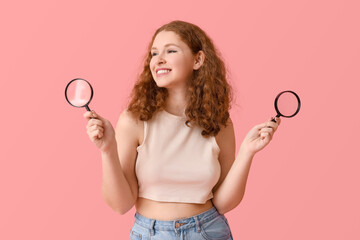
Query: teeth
[[162, 71]]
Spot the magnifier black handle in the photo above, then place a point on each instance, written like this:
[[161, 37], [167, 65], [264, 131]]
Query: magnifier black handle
[[88, 109], [273, 120]]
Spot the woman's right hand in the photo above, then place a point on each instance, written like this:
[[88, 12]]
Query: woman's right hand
[[100, 131]]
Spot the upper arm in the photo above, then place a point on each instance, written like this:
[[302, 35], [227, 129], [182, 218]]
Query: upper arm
[[226, 142], [129, 132]]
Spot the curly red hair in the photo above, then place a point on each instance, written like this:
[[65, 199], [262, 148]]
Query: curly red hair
[[209, 91]]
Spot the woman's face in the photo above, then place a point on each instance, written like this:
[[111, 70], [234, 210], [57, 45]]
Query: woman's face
[[172, 61]]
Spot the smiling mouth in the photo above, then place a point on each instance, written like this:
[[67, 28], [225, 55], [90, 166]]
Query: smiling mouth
[[162, 72]]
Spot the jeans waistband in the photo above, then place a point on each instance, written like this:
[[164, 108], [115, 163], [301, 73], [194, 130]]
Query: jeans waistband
[[184, 223]]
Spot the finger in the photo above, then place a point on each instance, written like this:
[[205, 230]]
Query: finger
[[96, 135], [278, 120], [92, 114], [96, 127], [93, 137], [260, 126], [267, 129], [96, 115], [95, 121], [266, 139], [100, 134], [92, 130], [264, 135], [272, 124], [87, 114], [275, 119]]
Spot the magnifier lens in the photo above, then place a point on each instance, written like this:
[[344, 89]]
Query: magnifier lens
[[79, 92], [287, 104]]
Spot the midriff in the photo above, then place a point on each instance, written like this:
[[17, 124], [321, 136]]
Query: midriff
[[167, 211]]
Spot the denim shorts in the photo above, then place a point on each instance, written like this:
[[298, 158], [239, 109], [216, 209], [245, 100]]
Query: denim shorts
[[209, 225]]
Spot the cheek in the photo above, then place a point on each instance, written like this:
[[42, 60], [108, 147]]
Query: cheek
[[186, 66], [151, 65], [181, 63]]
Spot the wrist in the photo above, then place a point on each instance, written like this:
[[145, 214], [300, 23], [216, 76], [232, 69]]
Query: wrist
[[109, 150], [246, 152]]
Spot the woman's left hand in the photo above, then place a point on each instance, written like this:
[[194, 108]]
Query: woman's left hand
[[260, 136]]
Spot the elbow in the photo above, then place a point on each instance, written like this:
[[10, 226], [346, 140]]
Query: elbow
[[120, 211], [226, 209], [121, 207], [226, 206]]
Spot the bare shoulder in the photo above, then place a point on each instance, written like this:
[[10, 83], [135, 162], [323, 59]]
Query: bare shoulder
[[128, 119], [226, 134], [130, 126]]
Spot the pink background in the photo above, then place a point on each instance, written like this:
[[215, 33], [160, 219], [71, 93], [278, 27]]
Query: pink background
[[304, 185]]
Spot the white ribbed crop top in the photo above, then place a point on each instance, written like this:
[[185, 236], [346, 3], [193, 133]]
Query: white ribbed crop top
[[175, 163]]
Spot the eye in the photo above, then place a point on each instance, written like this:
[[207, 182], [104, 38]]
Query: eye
[[172, 51], [153, 54]]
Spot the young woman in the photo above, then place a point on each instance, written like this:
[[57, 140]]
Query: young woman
[[173, 152]]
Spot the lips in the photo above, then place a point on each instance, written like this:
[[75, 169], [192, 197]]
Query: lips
[[162, 71]]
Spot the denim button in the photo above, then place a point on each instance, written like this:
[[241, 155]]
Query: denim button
[[179, 224]]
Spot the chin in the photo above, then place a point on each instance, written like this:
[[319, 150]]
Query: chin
[[161, 84]]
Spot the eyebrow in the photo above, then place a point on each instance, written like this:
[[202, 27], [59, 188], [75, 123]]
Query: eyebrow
[[166, 45]]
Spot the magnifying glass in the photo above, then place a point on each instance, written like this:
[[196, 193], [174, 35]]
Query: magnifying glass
[[78, 93], [287, 104]]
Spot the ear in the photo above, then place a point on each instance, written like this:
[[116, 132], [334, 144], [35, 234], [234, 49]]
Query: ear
[[199, 60]]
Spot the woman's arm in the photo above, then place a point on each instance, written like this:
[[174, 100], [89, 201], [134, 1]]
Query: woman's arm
[[118, 153], [120, 186], [116, 190], [231, 187]]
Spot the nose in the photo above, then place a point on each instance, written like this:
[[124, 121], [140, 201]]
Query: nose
[[161, 59]]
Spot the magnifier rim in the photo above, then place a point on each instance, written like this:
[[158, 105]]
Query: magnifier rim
[[91, 96], [276, 100]]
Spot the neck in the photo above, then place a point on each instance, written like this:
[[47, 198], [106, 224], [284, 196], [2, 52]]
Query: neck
[[176, 102]]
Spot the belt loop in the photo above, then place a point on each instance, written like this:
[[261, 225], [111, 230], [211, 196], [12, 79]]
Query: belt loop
[[152, 229], [198, 229], [175, 229]]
